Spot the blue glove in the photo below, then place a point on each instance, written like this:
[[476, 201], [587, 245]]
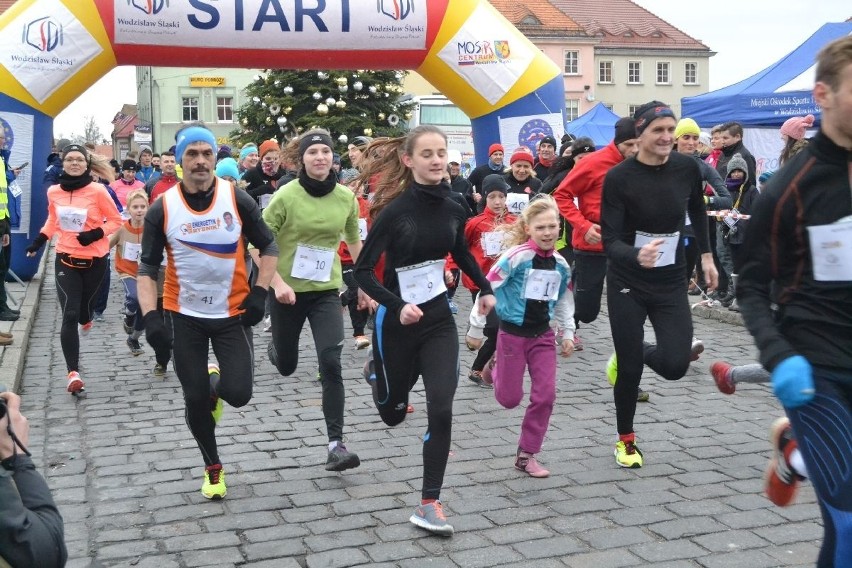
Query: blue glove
[[793, 381]]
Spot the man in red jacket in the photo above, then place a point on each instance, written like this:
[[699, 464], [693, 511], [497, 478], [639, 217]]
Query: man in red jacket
[[585, 184]]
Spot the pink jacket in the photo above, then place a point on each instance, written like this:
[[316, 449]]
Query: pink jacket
[[84, 209]]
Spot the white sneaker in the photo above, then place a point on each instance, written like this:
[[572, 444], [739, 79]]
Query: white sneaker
[[696, 350], [267, 323]]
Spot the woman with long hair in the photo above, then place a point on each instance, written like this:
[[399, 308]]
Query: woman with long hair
[[81, 211], [416, 224]]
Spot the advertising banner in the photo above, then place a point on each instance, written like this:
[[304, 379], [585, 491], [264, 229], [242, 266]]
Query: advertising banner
[[273, 24], [19, 140], [528, 130]]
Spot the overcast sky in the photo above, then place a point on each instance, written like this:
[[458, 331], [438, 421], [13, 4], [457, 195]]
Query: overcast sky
[[747, 36]]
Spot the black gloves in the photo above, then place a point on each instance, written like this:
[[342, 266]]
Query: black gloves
[[254, 306], [158, 335], [38, 242], [86, 238]]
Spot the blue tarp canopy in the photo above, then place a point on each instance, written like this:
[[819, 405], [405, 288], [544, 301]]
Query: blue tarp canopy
[[772, 96], [598, 123]]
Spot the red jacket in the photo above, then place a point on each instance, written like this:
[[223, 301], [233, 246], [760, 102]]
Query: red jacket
[[482, 223], [585, 182], [363, 213]]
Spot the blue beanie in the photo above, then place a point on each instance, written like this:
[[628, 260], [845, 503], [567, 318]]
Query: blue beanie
[[247, 149], [227, 167], [191, 135]]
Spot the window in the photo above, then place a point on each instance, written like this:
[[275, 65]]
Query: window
[[634, 72], [605, 72], [572, 109], [663, 76], [607, 105], [225, 109], [690, 73], [631, 109], [444, 115], [572, 62], [190, 109]]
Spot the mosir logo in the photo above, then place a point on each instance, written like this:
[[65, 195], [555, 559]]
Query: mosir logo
[[149, 6], [395, 9], [44, 34]]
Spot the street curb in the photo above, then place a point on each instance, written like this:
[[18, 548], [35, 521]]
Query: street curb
[[14, 356], [719, 314]]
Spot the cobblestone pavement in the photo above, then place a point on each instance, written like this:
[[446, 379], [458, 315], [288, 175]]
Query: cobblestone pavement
[[126, 473]]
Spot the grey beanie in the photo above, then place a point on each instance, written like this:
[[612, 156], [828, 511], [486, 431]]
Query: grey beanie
[[738, 163]]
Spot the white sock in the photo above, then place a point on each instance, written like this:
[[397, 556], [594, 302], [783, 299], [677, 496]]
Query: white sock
[[332, 445], [797, 463]]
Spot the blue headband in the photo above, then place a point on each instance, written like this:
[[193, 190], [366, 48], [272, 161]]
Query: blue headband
[[191, 135], [227, 167], [244, 153]]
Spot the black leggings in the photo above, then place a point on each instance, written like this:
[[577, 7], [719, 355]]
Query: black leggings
[[401, 354], [667, 306], [232, 346], [76, 288], [489, 346], [589, 275], [349, 299], [322, 310], [823, 429]]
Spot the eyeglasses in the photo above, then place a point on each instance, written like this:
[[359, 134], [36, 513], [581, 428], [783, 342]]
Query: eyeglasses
[[74, 161]]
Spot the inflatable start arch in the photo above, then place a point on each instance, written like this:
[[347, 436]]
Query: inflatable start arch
[[51, 51]]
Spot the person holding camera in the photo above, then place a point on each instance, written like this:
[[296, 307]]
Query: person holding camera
[[31, 529]]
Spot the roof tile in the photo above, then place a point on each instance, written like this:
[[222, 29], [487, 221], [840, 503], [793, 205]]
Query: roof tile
[[551, 21]]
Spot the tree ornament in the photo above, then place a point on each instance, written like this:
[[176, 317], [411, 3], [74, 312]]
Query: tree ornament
[[268, 120], [381, 116], [343, 139], [322, 109], [322, 75], [340, 104], [330, 101], [357, 85], [368, 132], [343, 88], [255, 100], [274, 108], [288, 90], [407, 116], [288, 110], [281, 120], [341, 81], [372, 89], [316, 96]]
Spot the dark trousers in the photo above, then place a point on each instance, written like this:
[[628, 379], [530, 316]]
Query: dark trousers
[[402, 353], [234, 351], [5, 264], [349, 299], [589, 274], [489, 346], [322, 311], [103, 292], [823, 430], [76, 288], [667, 306]]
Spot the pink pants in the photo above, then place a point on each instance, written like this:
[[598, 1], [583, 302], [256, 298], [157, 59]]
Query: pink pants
[[514, 355]]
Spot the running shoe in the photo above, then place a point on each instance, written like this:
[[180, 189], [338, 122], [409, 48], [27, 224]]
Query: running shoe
[[409, 409], [488, 371], [643, 396], [159, 370], [696, 350], [127, 323], [361, 342], [781, 482], [340, 459], [473, 343], [612, 369], [369, 372], [214, 482], [75, 383], [529, 465], [453, 307], [431, 517], [216, 404], [99, 317], [135, 347], [628, 455], [476, 378], [86, 328], [722, 374]]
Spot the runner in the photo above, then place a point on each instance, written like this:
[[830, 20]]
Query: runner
[[128, 243], [642, 218], [206, 296], [796, 258], [81, 211], [416, 225]]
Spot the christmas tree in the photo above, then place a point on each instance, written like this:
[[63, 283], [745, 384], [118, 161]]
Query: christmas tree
[[283, 103]]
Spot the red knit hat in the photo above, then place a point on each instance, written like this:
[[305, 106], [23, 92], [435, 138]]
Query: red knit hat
[[496, 147], [795, 127], [268, 146], [522, 153]]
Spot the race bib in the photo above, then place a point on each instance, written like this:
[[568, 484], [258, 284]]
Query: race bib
[[205, 298], [831, 252], [131, 252], [542, 285], [313, 263], [731, 218], [516, 202], [420, 283], [71, 219], [492, 242], [362, 229], [265, 199], [666, 252]]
